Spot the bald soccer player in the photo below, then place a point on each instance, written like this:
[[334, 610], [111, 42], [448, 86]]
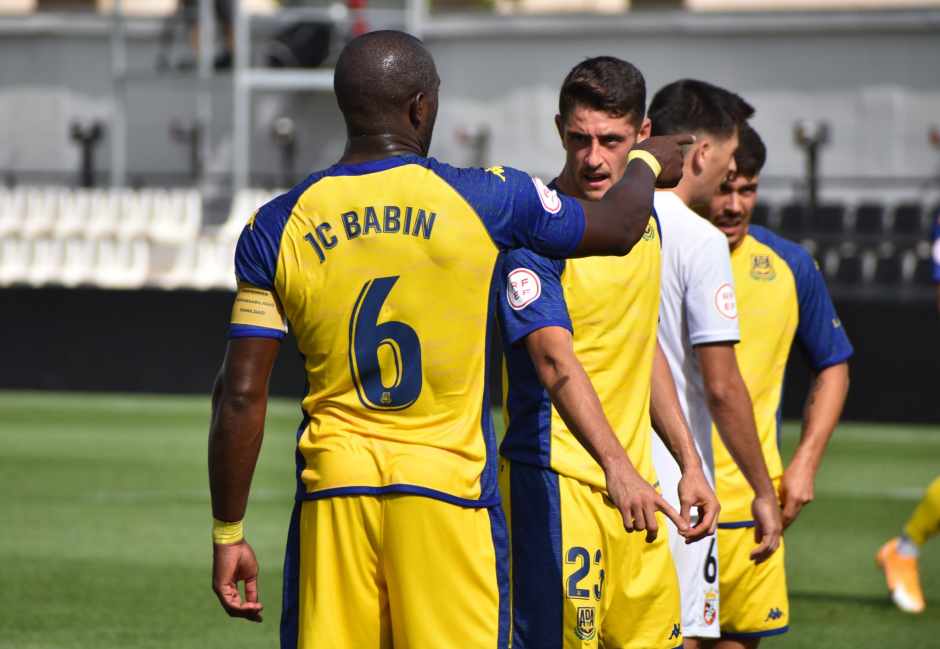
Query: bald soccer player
[[382, 267]]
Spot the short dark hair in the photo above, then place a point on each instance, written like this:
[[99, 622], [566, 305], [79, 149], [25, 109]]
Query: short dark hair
[[689, 105], [751, 153], [604, 83]]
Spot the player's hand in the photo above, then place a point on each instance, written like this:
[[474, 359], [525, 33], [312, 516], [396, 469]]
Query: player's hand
[[230, 565], [670, 152], [694, 491], [796, 490], [638, 502], [767, 527]]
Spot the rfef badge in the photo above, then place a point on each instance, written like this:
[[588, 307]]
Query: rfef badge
[[710, 614], [586, 629]]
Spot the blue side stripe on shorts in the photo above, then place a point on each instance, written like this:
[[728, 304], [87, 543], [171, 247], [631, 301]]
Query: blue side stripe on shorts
[[755, 634], [538, 617], [501, 548], [735, 525], [291, 591]]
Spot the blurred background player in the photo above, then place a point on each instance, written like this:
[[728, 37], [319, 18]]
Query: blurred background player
[[574, 476], [698, 330], [898, 557], [396, 456], [781, 294]]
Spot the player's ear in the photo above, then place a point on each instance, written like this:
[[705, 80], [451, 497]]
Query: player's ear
[[700, 152], [646, 127], [418, 110], [560, 125]]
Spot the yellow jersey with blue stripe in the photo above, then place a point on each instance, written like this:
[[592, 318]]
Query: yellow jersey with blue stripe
[[384, 271], [611, 305], [781, 295]]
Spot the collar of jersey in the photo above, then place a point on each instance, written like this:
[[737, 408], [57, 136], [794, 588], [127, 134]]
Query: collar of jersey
[[372, 166]]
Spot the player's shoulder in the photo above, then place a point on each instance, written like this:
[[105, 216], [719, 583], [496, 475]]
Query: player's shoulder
[[681, 221], [523, 258], [474, 180], [273, 215]]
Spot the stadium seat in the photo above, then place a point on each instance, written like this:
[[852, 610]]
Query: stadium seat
[[73, 211], [243, 206], [40, 217], [761, 214], [177, 216], [122, 264], [828, 219], [923, 272], [849, 271], [792, 220], [78, 265], [135, 209], [888, 271], [869, 218], [180, 271], [46, 261], [908, 219], [14, 260], [104, 214], [11, 212]]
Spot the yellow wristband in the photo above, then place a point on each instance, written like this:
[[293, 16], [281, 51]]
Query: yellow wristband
[[648, 158], [225, 533]]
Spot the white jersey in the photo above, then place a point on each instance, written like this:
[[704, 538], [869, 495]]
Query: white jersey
[[697, 305]]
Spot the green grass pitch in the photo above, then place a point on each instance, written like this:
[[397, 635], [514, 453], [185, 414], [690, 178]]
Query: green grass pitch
[[105, 529]]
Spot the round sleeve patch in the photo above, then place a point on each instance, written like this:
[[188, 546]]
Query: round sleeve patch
[[524, 288], [936, 251], [725, 301], [548, 197]]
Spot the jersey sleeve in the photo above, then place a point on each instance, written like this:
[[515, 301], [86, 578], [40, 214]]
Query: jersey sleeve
[[530, 295], [710, 302], [820, 331], [935, 247], [257, 311], [519, 210]]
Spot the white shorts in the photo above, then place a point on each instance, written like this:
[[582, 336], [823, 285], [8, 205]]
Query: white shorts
[[696, 563]]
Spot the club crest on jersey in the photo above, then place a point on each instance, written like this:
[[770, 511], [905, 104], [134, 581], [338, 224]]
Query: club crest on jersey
[[710, 614], [648, 235], [725, 301], [586, 629], [762, 269], [549, 197], [522, 288]]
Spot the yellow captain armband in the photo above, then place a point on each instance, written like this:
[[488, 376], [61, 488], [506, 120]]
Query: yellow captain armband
[[225, 533], [646, 157], [257, 307]]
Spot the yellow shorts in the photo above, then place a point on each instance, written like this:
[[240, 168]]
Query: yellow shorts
[[754, 600], [579, 580], [373, 572]]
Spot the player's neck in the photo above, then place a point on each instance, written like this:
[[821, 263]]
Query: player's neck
[[684, 192], [363, 148]]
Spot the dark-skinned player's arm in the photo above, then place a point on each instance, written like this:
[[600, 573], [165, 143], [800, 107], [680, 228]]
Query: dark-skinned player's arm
[[671, 426], [730, 405], [239, 404], [820, 416], [616, 222], [552, 353]]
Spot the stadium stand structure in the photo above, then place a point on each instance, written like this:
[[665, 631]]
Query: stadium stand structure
[[56, 236]]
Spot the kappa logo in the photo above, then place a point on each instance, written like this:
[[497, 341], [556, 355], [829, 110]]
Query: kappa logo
[[523, 288], [774, 614], [548, 197], [762, 268], [725, 301], [836, 323], [676, 632], [586, 628], [710, 613], [251, 221], [497, 171]]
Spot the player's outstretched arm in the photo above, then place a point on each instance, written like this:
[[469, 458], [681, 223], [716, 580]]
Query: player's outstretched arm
[[731, 408], [616, 222], [672, 428], [820, 416], [570, 389], [239, 403]]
